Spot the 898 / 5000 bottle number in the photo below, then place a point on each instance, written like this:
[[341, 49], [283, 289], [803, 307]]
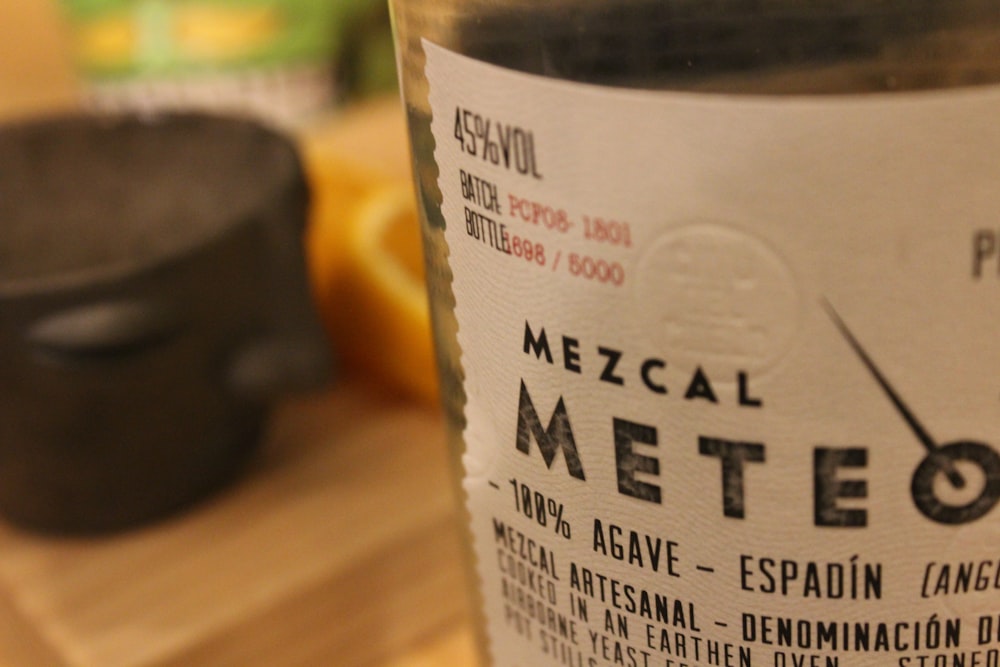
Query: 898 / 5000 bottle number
[[495, 235]]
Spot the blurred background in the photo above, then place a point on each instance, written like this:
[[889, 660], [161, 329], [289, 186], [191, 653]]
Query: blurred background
[[287, 59], [339, 546], [321, 70]]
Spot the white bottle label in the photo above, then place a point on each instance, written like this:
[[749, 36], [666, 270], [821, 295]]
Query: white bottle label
[[732, 367]]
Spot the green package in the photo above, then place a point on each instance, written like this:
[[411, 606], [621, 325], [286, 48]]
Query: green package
[[134, 38]]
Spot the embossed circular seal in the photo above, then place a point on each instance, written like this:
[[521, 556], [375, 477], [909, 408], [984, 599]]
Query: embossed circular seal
[[715, 296]]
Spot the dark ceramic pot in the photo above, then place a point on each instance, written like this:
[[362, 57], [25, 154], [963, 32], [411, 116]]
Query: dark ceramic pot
[[153, 304]]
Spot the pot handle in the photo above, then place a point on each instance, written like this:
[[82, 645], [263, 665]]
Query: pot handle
[[271, 367], [102, 331]]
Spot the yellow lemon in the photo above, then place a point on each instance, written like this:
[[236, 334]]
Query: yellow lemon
[[381, 323], [346, 156], [364, 249], [337, 189]]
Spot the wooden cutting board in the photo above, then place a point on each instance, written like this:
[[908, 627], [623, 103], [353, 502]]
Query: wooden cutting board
[[338, 547]]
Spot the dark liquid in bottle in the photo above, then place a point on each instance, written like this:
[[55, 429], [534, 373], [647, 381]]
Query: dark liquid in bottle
[[745, 46]]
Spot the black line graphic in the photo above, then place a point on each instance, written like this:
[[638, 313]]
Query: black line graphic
[[922, 434]]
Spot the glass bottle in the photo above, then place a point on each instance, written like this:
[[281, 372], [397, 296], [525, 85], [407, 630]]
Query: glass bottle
[[711, 282]]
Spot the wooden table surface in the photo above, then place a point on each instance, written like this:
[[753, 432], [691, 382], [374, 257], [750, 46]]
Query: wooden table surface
[[338, 547]]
